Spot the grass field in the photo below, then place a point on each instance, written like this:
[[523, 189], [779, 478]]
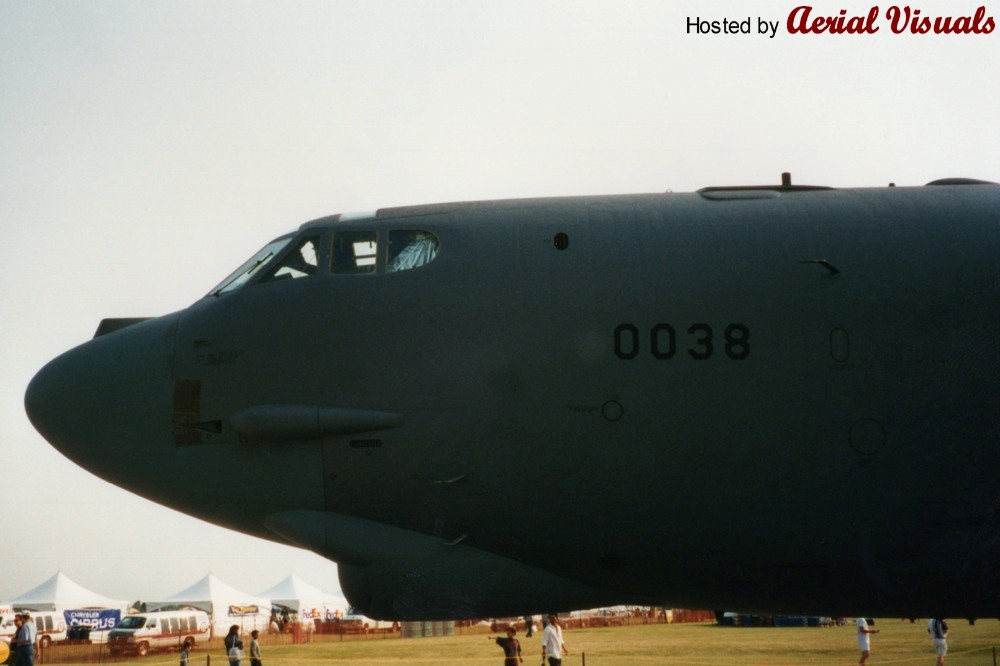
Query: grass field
[[675, 644]]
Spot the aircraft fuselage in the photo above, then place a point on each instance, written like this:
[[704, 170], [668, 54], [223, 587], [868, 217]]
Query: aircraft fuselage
[[774, 400]]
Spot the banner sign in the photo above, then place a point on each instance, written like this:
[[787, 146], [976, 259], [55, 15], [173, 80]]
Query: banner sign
[[244, 610], [97, 620]]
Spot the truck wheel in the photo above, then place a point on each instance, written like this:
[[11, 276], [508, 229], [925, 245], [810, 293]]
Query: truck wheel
[[143, 649]]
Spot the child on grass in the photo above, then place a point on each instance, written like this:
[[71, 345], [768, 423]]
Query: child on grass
[[254, 649]]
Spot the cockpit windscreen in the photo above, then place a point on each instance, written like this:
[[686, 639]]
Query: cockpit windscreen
[[241, 275]]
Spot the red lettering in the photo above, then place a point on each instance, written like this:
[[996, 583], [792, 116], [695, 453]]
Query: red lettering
[[797, 20], [907, 19], [986, 28], [920, 26], [896, 21], [800, 21], [869, 25]]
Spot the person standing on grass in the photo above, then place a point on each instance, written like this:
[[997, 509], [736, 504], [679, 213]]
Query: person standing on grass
[[553, 647], [864, 639], [938, 629], [234, 645], [13, 658], [26, 637], [511, 647], [254, 648]]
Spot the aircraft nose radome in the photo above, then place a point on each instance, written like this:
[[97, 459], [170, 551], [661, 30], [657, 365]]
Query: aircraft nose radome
[[107, 395]]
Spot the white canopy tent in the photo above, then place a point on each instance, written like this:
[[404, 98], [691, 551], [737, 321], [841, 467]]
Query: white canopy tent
[[226, 605], [77, 604], [60, 593], [310, 602]]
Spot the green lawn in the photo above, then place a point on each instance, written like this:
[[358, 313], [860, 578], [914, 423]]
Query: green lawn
[[675, 644]]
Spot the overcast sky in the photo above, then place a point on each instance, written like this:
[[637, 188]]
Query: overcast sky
[[148, 148]]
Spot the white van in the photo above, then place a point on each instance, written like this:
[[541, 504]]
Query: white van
[[6, 627], [156, 630], [51, 627]]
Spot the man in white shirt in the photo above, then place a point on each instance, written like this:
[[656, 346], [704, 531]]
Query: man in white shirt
[[938, 629], [864, 639], [553, 647]]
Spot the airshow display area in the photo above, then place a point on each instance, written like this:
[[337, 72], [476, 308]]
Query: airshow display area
[[225, 604], [149, 149]]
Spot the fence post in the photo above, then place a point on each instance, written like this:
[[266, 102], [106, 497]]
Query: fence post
[[584, 655]]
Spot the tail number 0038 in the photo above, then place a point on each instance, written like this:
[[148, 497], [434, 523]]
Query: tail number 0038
[[700, 342]]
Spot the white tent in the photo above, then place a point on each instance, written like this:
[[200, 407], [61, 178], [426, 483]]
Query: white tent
[[226, 605], [311, 603], [59, 593], [78, 605]]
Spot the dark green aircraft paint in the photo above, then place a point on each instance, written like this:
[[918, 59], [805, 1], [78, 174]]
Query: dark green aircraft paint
[[779, 399]]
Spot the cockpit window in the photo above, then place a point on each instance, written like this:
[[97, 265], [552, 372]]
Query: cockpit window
[[300, 262], [411, 249], [354, 252], [242, 275]]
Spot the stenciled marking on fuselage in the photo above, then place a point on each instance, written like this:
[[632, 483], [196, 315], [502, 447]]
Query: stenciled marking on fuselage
[[219, 358], [663, 341]]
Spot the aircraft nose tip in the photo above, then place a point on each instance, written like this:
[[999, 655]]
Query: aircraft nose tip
[[102, 395], [39, 396], [50, 395]]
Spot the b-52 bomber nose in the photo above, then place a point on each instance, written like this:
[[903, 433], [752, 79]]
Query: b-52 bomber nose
[[93, 403]]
